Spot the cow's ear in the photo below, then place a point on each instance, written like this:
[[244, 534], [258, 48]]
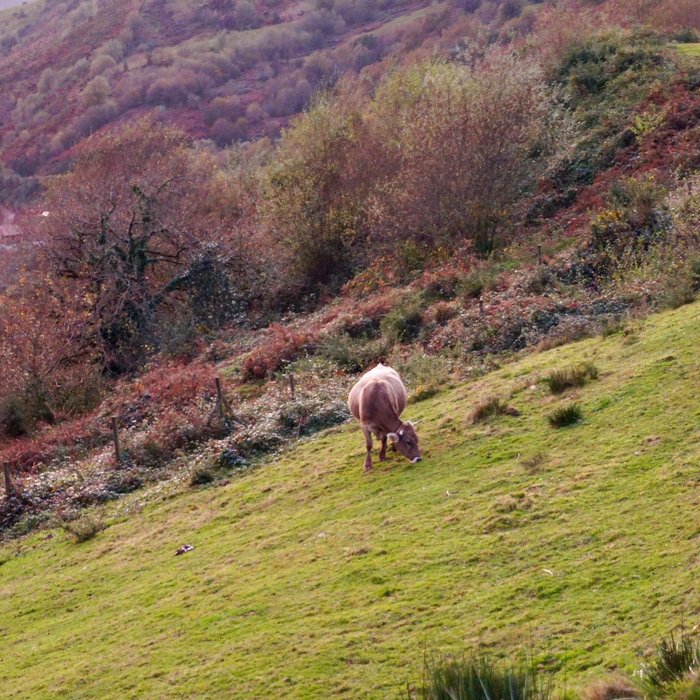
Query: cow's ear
[[393, 437]]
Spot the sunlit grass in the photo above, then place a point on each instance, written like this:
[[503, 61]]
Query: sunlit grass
[[311, 579]]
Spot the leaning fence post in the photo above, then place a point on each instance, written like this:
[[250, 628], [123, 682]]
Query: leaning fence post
[[115, 438]]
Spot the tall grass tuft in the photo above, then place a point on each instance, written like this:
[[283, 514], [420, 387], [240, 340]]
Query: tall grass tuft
[[85, 527], [615, 688], [482, 678], [675, 660], [562, 379], [565, 416], [488, 408]]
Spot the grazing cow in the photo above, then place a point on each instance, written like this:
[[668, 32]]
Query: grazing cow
[[377, 401]]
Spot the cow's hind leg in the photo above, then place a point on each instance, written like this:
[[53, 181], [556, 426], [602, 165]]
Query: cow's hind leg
[[382, 451], [368, 444]]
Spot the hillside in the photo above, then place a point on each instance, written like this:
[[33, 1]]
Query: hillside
[[232, 71], [223, 71], [311, 579]]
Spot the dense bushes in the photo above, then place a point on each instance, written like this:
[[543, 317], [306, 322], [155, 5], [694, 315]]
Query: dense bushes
[[608, 78], [437, 158]]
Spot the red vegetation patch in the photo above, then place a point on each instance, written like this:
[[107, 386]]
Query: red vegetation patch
[[171, 398], [25, 453], [281, 345]]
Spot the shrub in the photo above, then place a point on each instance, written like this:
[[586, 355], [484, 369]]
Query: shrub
[[677, 293], [122, 481], [488, 408], [14, 421], [352, 354], [207, 472], [423, 392], [403, 323], [562, 379], [85, 527], [476, 283], [441, 286], [675, 659], [283, 345], [563, 417], [612, 327], [431, 372], [443, 312], [567, 331], [202, 474], [481, 678], [308, 415]]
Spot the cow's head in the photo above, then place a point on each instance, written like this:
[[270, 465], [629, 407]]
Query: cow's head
[[406, 442]]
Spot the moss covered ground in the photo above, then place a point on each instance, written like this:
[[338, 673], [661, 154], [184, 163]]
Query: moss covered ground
[[310, 579]]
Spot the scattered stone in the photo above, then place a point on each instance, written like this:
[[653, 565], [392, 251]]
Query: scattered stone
[[184, 549]]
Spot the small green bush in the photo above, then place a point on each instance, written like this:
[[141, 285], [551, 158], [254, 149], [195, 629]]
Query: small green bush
[[675, 660], [562, 379], [568, 415], [352, 354], [403, 323], [476, 283], [85, 527], [481, 678], [203, 474]]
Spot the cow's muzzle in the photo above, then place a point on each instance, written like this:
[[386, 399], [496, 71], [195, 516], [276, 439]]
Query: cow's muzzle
[[415, 460]]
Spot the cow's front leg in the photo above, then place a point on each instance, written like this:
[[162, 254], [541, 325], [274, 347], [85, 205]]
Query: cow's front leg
[[382, 451], [368, 444]]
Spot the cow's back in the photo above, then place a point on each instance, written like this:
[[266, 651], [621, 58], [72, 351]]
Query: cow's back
[[375, 387]]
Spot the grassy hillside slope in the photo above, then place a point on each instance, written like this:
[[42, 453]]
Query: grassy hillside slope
[[311, 579]]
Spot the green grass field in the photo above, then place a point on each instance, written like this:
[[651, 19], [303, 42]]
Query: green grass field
[[689, 49], [310, 579]]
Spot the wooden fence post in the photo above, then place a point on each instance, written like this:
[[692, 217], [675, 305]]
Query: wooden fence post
[[221, 407], [220, 398], [115, 438], [9, 487], [539, 255], [292, 386]]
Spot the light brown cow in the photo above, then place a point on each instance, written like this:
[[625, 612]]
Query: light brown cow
[[377, 401]]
